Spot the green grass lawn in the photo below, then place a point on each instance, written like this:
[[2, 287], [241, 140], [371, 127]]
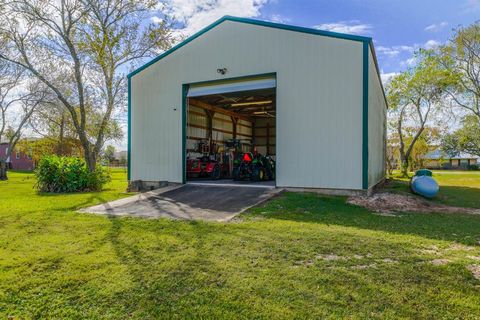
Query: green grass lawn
[[298, 256], [457, 188]]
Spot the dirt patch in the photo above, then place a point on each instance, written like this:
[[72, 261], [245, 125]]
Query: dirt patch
[[387, 204], [440, 262], [475, 270], [364, 266], [304, 263], [460, 247], [388, 260], [429, 251], [329, 257]]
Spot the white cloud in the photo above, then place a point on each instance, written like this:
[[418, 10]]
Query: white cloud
[[436, 26], [156, 19], [410, 62], [197, 14], [394, 50], [278, 18], [388, 51], [472, 5], [386, 77], [351, 27], [431, 44]]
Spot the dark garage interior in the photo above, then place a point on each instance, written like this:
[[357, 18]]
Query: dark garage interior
[[231, 136]]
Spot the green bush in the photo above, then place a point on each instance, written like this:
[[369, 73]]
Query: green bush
[[473, 167], [68, 174]]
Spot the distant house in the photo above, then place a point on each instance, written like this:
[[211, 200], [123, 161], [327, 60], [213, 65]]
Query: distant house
[[119, 159], [119, 155], [18, 160], [438, 160]]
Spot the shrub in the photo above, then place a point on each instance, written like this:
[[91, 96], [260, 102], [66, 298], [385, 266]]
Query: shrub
[[473, 167], [68, 174]]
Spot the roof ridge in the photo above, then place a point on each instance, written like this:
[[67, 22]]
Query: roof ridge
[[254, 22]]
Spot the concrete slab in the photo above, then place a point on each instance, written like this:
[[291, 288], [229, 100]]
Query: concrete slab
[[233, 183], [191, 202]]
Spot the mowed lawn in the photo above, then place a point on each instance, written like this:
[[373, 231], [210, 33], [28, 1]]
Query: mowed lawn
[[298, 256], [457, 188]]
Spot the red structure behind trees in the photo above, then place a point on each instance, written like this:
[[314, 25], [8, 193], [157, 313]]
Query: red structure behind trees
[[18, 160]]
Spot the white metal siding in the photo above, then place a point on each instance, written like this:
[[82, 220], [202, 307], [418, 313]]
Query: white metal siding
[[319, 102], [377, 112]]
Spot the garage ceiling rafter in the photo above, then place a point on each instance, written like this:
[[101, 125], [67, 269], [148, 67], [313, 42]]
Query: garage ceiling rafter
[[206, 106]]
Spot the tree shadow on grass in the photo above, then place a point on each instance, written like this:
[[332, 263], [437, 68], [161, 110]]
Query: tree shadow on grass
[[85, 199], [163, 278], [304, 207], [177, 268]]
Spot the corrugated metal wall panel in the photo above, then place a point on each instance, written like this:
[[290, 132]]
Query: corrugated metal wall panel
[[319, 102], [377, 122]]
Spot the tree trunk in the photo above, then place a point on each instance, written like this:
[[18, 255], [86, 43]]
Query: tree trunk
[[403, 157], [61, 148], [3, 170], [403, 165], [90, 159]]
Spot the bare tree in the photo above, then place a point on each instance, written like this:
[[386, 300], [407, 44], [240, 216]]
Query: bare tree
[[80, 49], [18, 99], [461, 58]]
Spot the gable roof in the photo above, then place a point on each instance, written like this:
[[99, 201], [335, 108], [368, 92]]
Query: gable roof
[[254, 22], [268, 24]]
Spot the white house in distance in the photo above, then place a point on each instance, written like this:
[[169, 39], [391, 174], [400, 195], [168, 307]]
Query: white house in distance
[[438, 160], [310, 99]]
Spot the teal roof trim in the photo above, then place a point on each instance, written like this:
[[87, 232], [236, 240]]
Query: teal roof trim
[[254, 22]]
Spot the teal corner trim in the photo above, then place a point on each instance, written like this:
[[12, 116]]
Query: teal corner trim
[[184, 132], [254, 22], [366, 46], [129, 131]]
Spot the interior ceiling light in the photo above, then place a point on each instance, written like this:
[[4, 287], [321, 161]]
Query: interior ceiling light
[[250, 103]]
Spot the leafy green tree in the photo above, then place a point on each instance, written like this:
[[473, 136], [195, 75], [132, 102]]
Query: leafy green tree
[[45, 146], [53, 123], [426, 143], [465, 139], [109, 154], [414, 98]]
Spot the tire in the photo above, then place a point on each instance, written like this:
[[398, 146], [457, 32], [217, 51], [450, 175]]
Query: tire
[[271, 176], [216, 173], [258, 174], [236, 173]]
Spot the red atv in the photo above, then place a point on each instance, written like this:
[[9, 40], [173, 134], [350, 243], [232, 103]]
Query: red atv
[[204, 167]]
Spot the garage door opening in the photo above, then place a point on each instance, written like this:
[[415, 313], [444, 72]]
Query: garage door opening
[[231, 132]]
